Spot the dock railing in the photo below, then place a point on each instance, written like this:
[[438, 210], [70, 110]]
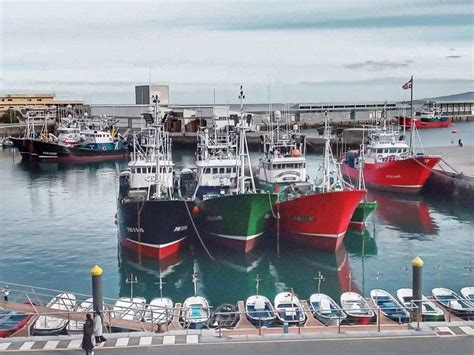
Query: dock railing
[[29, 300]]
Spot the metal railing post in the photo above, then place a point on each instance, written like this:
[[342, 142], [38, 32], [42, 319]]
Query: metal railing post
[[259, 327], [378, 319], [449, 311], [339, 322]]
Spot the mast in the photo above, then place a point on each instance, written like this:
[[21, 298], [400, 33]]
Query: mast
[[157, 143], [243, 149], [195, 280], [327, 137], [412, 121]]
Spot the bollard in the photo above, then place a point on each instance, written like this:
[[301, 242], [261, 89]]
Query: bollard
[[417, 265], [285, 327], [97, 300]]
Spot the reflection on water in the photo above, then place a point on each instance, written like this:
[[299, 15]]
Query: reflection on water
[[60, 219], [231, 277], [360, 243], [404, 212]]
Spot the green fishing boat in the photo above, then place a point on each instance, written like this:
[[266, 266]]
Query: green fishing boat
[[363, 210], [228, 209]]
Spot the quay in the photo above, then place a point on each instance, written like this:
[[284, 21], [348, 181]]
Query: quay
[[454, 175]]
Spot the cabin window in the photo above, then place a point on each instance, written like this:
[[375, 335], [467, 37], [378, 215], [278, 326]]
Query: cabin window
[[153, 170], [393, 150]]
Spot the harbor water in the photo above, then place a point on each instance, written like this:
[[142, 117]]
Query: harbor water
[[57, 221]]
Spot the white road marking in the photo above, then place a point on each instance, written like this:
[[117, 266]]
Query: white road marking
[[74, 344], [192, 339], [27, 345], [4, 346], [467, 329], [169, 339], [145, 341], [445, 330], [122, 342], [51, 345]]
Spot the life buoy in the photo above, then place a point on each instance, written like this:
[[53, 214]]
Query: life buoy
[[104, 148], [379, 157], [70, 136]]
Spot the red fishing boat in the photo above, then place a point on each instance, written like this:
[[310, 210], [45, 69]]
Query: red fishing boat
[[317, 215], [429, 117], [389, 163]]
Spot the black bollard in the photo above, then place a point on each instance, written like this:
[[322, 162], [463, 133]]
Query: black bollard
[[97, 301], [417, 265]]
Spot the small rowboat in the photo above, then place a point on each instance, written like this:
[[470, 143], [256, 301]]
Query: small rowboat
[[159, 311], [454, 303], [12, 321], [288, 308], [225, 316], [129, 308], [326, 310], [389, 306], [468, 293], [195, 313], [50, 325], [429, 311], [259, 310], [357, 309]]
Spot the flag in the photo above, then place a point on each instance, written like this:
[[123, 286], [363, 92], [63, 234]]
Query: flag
[[408, 85]]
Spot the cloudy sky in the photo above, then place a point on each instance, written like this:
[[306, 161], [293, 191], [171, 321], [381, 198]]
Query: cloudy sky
[[290, 51]]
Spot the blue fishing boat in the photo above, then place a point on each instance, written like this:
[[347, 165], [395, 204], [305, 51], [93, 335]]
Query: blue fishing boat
[[389, 306], [12, 321]]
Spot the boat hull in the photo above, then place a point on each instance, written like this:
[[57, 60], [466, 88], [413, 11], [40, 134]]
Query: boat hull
[[405, 122], [362, 211], [235, 221], [405, 176], [154, 228], [319, 220]]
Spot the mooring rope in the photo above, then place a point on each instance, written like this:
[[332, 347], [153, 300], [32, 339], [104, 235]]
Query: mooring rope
[[437, 173], [197, 232]]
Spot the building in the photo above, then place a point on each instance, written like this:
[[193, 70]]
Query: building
[[144, 94], [19, 102]]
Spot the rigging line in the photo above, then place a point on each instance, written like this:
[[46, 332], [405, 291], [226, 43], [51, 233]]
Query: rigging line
[[437, 173], [197, 232]]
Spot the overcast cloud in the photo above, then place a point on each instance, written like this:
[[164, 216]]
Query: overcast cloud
[[299, 51]]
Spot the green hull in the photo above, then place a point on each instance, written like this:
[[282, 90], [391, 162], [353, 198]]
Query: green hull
[[363, 210], [236, 220]]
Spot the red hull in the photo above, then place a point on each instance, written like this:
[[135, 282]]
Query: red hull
[[357, 226], [155, 251], [319, 220], [407, 175], [406, 122]]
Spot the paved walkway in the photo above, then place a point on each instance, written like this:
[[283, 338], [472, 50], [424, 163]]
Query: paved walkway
[[193, 337]]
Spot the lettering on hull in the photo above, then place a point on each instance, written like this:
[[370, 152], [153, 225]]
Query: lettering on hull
[[303, 218], [180, 228], [135, 230]]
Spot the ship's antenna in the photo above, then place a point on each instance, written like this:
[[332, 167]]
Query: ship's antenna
[[132, 280], [320, 278], [195, 281], [160, 283], [257, 280]]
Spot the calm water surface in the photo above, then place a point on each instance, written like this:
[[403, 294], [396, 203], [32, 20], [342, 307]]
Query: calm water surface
[[57, 221]]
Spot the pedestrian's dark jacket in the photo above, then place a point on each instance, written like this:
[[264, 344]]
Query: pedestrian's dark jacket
[[88, 332]]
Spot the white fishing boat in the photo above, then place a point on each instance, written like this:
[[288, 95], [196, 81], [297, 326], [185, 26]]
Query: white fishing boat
[[389, 306], [468, 293], [195, 312], [288, 308], [429, 311], [454, 303], [160, 310], [357, 308], [259, 309], [326, 310], [49, 325]]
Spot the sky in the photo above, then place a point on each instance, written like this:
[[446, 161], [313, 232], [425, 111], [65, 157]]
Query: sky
[[281, 51]]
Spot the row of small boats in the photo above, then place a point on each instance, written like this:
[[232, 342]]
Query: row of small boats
[[355, 309], [287, 308]]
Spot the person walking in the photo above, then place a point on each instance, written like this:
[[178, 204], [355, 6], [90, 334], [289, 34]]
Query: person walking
[[99, 337], [87, 334], [6, 293], [460, 142]]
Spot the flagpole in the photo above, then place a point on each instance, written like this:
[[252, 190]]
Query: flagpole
[[412, 121]]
